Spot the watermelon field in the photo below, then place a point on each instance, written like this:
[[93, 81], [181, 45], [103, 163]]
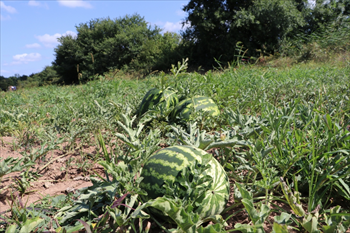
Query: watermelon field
[[244, 149]]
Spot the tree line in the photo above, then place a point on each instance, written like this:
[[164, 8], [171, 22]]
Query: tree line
[[215, 28], [11, 81]]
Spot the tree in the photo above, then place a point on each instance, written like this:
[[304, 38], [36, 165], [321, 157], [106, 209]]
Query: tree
[[66, 60], [46, 77], [326, 13], [6, 82], [3, 83], [217, 25], [104, 44], [160, 53], [208, 34], [267, 22]]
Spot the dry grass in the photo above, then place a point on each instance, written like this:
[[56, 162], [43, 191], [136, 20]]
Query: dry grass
[[317, 58]]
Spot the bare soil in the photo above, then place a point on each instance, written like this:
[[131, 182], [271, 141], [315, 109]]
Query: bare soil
[[59, 177]]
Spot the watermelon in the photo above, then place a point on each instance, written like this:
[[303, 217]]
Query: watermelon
[[166, 164], [153, 97], [185, 107]]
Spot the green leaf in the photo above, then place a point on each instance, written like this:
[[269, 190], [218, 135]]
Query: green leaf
[[329, 229], [103, 146], [30, 224], [244, 192], [310, 224], [216, 228], [73, 228], [103, 221], [283, 218], [215, 219], [293, 199], [245, 228], [86, 226], [249, 206], [176, 212], [11, 229], [264, 213], [279, 228]]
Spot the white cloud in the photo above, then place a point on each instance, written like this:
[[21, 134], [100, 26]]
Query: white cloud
[[51, 41], [25, 58], [33, 3], [31, 46], [7, 17], [181, 13], [39, 4], [70, 33], [9, 9], [173, 27], [74, 3]]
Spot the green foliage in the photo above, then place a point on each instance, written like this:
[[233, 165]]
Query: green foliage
[[268, 22], [257, 217], [27, 226], [11, 81], [262, 26], [291, 123], [10, 165], [33, 218], [320, 45], [181, 67], [218, 25], [157, 54], [321, 15], [310, 220], [126, 43], [205, 141], [48, 76], [66, 59]]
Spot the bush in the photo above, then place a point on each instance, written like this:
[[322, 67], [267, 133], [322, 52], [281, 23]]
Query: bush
[[127, 44]]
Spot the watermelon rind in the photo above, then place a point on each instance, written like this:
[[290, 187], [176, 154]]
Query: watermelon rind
[[154, 97], [185, 108], [166, 164]]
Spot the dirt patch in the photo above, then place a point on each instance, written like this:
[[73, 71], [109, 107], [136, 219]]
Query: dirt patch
[[8, 148], [59, 173]]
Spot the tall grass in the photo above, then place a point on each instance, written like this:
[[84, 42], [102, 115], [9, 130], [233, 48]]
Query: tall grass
[[324, 45]]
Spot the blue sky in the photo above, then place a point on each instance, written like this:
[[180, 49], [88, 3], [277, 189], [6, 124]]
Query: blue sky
[[29, 29]]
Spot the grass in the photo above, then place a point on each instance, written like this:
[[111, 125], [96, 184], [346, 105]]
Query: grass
[[293, 121]]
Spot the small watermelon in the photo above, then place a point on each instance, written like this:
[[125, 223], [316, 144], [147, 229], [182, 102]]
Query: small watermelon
[[166, 164], [153, 97], [197, 103]]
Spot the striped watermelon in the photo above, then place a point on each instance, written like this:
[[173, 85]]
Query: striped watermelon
[[153, 97], [185, 107], [166, 165]]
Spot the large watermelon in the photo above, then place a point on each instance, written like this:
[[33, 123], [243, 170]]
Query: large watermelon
[[184, 109], [153, 97], [166, 164]]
